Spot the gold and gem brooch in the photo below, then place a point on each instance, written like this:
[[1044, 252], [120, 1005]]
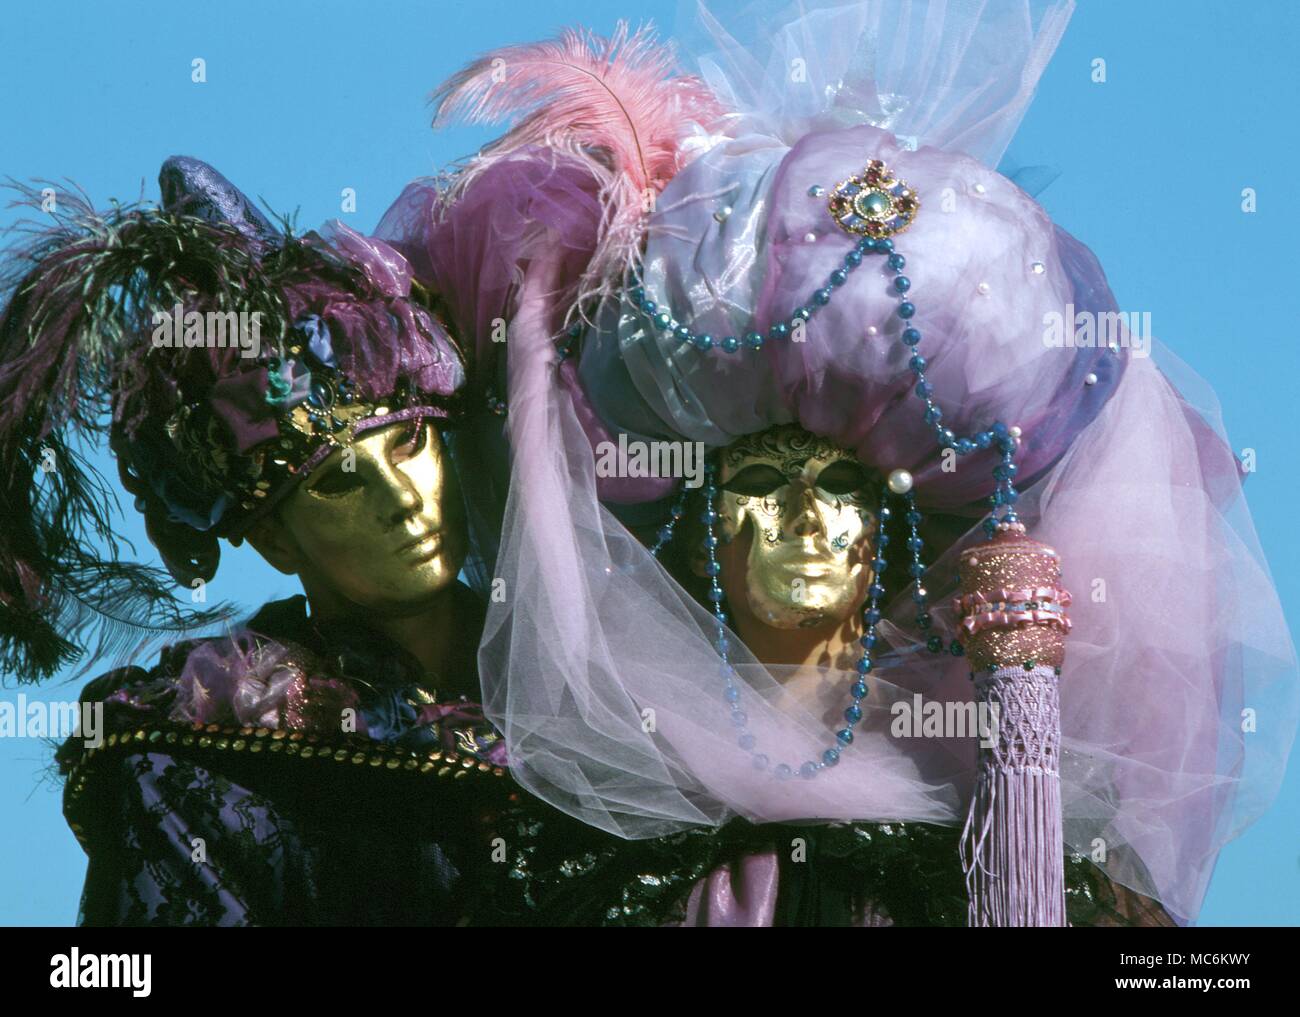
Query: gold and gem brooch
[[873, 203]]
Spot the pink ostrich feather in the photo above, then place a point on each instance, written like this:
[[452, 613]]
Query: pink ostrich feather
[[615, 104]]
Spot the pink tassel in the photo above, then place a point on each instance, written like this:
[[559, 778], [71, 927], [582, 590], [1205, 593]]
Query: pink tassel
[[1012, 847], [612, 103]]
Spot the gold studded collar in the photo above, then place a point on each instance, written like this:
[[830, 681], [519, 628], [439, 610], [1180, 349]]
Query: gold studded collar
[[307, 751]]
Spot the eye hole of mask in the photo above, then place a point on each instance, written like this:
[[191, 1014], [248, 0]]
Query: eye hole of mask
[[756, 481], [844, 476], [414, 437], [337, 481], [411, 440]]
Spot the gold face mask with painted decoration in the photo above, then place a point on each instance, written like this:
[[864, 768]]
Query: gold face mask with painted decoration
[[810, 510]]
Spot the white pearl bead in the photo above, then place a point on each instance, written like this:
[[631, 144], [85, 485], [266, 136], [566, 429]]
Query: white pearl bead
[[1038, 268], [872, 330], [1091, 379], [984, 288], [1015, 432], [900, 481], [979, 188], [810, 238]]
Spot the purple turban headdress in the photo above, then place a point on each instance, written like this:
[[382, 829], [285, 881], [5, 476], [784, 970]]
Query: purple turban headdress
[[224, 358], [603, 673]]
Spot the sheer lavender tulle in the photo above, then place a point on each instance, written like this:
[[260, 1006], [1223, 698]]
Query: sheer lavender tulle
[[956, 74], [1177, 628], [601, 670]]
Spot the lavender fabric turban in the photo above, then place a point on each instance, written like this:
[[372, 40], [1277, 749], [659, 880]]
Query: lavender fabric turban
[[988, 270]]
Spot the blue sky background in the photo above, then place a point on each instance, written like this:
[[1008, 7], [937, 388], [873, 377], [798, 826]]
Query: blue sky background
[[303, 100]]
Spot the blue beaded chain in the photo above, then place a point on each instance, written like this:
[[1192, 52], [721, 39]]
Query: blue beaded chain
[[1003, 498], [665, 533]]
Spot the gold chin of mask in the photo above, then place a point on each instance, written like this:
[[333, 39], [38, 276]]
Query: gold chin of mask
[[384, 526], [810, 508]]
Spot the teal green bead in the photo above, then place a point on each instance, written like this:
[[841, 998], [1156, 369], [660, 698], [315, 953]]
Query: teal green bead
[[871, 204]]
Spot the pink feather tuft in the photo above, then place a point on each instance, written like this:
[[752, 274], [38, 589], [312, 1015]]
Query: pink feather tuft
[[613, 103]]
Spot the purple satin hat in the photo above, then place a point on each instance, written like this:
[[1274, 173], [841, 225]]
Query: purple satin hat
[[360, 348]]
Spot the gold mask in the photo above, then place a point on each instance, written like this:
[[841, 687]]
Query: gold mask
[[810, 510], [379, 524]]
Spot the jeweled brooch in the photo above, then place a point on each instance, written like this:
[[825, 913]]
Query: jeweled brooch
[[874, 203]]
